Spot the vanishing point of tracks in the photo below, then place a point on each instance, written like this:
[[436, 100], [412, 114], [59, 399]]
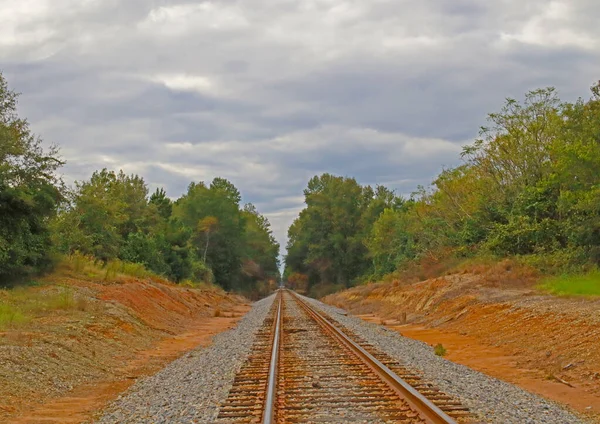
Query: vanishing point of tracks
[[304, 369]]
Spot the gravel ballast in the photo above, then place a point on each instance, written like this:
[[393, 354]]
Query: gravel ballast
[[492, 400], [191, 388]]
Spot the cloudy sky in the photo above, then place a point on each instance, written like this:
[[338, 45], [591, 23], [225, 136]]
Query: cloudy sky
[[270, 93]]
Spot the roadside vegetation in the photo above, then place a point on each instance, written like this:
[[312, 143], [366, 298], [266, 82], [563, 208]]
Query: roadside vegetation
[[584, 284], [528, 190], [111, 224], [19, 306]]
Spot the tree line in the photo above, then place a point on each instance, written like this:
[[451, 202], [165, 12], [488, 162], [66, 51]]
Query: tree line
[[205, 235], [528, 188]]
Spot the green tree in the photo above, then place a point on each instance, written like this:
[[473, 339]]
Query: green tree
[[207, 226], [390, 244], [103, 212], [327, 241], [160, 200], [30, 192], [221, 200], [260, 245]]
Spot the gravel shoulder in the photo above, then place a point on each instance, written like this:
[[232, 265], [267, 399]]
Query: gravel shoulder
[[191, 388], [492, 400]]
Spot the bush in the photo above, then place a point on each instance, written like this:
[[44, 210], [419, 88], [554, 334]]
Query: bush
[[571, 261], [439, 350]]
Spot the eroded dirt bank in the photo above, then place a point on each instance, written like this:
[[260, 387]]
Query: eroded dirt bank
[[67, 364], [545, 344]]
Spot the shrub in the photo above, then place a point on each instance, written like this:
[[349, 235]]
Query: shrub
[[439, 350]]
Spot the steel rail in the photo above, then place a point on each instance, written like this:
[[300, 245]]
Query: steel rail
[[269, 406], [430, 412]]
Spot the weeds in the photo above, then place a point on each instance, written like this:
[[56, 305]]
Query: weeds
[[135, 270], [11, 317], [440, 350], [587, 284], [20, 305], [110, 271], [63, 300], [217, 313], [194, 284], [82, 304]]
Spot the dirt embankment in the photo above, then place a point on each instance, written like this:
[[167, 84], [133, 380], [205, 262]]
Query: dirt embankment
[[545, 344], [80, 353]]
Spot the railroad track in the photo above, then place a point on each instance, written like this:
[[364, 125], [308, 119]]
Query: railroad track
[[303, 368]]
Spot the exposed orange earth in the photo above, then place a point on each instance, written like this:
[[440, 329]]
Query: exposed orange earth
[[87, 400], [544, 344], [70, 364]]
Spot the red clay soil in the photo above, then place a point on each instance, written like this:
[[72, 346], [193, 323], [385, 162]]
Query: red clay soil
[[544, 344], [65, 366], [87, 401]]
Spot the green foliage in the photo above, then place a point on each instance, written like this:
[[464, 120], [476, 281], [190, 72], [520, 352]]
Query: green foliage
[[30, 192], [234, 247], [224, 248], [91, 267], [10, 316], [62, 300], [18, 306], [529, 188], [260, 245], [587, 284], [389, 242], [162, 203], [109, 225], [102, 214], [440, 350], [203, 236], [327, 241]]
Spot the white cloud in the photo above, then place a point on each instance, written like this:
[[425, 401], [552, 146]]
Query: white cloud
[[554, 26], [178, 19], [186, 82]]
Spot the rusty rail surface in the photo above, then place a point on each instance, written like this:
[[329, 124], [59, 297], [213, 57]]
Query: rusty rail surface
[[303, 368], [269, 407], [417, 401]]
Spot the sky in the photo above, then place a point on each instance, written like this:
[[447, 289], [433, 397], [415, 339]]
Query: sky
[[270, 93]]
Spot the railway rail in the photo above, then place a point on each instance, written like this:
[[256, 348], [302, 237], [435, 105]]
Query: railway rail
[[304, 368]]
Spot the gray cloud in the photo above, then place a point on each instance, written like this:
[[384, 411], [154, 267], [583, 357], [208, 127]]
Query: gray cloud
[[269, 94]]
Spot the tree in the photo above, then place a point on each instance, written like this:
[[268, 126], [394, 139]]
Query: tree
[[163, 204], [297, 282], [207, 225], [515, 151], [261, 248], [220, 200], [103, 213], [327, 241], [30, 192], [390, 244]]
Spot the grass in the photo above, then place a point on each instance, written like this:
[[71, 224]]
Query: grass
[[11, 317], [20, 305], [28, 300], [586, 284], [63, 300], [114, 270]]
